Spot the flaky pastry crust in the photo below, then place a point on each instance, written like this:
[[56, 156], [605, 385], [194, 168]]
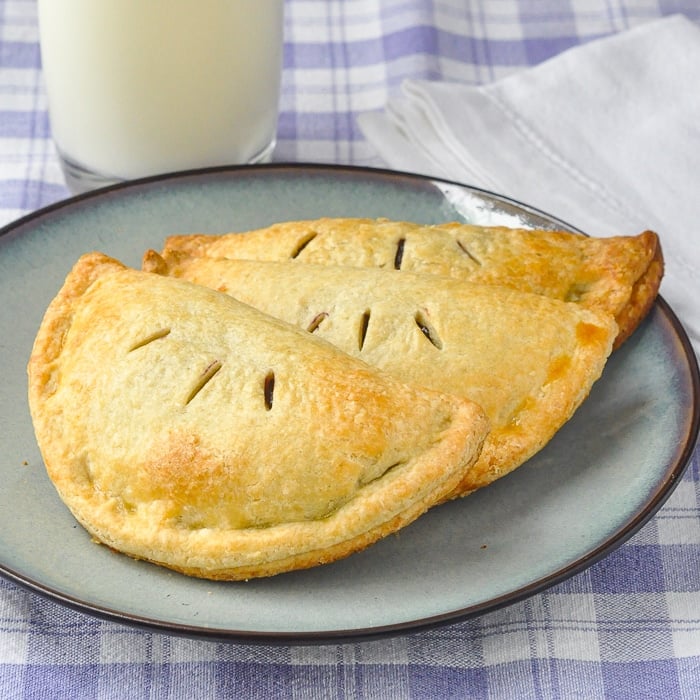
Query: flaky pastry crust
[[527, 359], [185, 428], [619, 275]]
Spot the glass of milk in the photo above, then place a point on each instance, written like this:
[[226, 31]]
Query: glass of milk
[[140, 87]]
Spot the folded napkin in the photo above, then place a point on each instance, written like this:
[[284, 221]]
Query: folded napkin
[[606, 136]]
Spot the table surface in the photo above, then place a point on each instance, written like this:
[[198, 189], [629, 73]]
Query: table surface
[[627, 627]]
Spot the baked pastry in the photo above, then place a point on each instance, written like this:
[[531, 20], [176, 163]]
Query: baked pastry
[[528, 360], [619, 275], [183, 427]]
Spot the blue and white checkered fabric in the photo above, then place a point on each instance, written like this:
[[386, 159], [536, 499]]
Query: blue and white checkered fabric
[[627, 627]]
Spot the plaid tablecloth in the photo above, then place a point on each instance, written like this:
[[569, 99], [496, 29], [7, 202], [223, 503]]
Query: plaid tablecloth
[[628, 627]]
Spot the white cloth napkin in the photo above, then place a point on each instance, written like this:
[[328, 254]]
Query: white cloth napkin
[[605, 136]]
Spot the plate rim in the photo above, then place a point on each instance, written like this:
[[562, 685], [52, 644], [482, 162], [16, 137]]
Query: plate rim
[[662, 490]]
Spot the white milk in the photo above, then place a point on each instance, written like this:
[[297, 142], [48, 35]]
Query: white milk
[[138, 87]]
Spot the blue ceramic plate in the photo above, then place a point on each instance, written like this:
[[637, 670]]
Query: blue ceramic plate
[[601, 478]]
